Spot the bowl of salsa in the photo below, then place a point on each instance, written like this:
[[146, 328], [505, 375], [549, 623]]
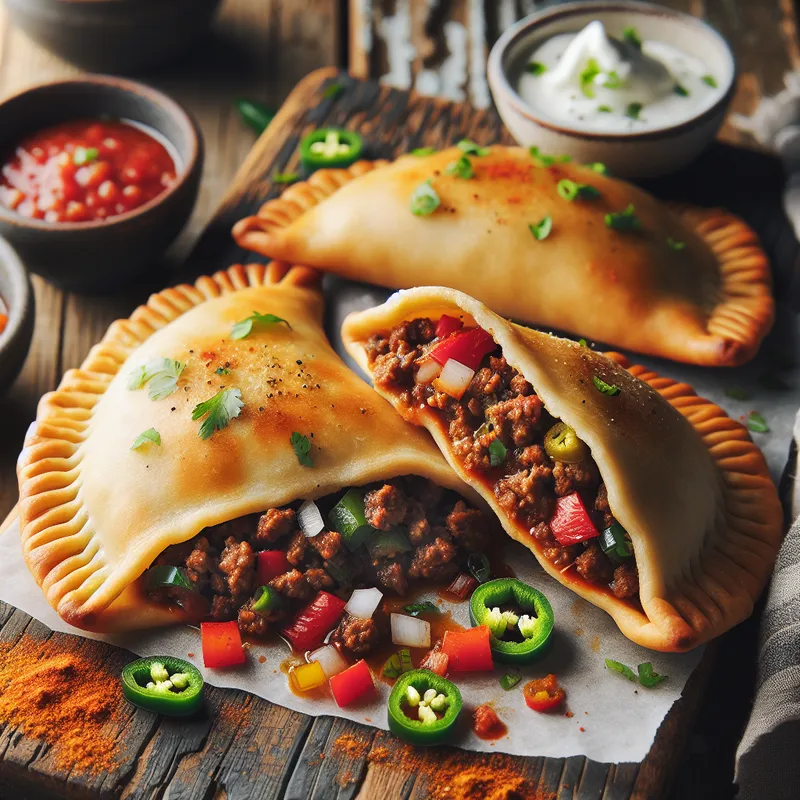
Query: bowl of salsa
[[97, 177], [16, 315]]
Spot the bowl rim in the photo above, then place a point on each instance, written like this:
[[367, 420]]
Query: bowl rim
[[18, 311], [499, 82], [154, 97]]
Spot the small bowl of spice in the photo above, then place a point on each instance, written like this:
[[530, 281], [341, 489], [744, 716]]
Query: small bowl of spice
[[97, 177], [16, 315], [638, 87]]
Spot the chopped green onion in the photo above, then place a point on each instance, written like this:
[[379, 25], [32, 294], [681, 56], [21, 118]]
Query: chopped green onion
[[509, 681], [710, 80], [583, 343], [648, 677], [587, 77], [535, 68], [543, 160], [631, 36], [541, 229], [674, 244], [737, 394], [681, 91], [426, 607], [623, 220], [598, 167], [478, 565], [302, 448], [615, 666], [424, 200], [569, 190], [605, 109], [497, 453], [150, 435], [612, 80], [266, 599], [85, 155], [633, 110], [285, 177], [470, 148], [423, 151], [347, 517], [609, 389], [333, 91], [757, 423], [461, 168]]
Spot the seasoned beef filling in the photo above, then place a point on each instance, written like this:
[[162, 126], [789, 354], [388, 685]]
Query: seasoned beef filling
[[500, 405], [222, 562]]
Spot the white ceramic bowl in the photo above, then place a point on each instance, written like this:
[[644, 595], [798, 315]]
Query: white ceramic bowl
[[649, 153]]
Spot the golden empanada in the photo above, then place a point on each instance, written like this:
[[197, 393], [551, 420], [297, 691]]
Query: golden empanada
[[567, 446], [684, 283], [95, 513]]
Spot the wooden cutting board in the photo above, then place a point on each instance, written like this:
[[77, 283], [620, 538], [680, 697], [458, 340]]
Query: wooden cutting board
[[247, 747]]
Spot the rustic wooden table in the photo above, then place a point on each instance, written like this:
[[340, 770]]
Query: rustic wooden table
[[260, 49]]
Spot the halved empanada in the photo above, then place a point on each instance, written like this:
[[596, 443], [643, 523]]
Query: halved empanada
[[96, 513], [687, 284], [682, 479]]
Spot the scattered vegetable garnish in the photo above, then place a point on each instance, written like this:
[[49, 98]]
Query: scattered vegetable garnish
[[583, 343], [85, 155], [163, 579], [435, 660], [633, 110], [470, 148], [313, 623], [674, 244], [598, 167], [306, 677], [218, 411], [222, 371], [737, 394], [479, 566], [423, 151], [509, 680], [447, 325], [163, 684], [387, 544], [266, 599], [631, 36], [647, 677], [544, 694], [571, 522], [623, 220], [757, 423], [587, 77], [425, 607], [466, 347], [424, 200], [162, 375], [330, 659], [681, 91], [615, 543], [605, 109], [461, 168], [330, 147], [497, 453], [468, 651], [541, 229], [543, 160], [243, 328], [347, 517], [222, 644], [462, 585], [569, 190], [285, 177], [352, 684], [302, 448], [710, 80], [393, 668], [332, 91], [410, 631], [434, 702], [612, 80], [271, 563], [562, 444], [616, 666], [363, 603], [530, 618], [150, 435], [609, 389], [535, 68], [254, 114]]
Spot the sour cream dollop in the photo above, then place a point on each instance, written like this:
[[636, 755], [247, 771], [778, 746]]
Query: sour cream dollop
[[597, 82]]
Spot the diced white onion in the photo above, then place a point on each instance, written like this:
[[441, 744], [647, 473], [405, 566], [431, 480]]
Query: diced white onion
[[410, 631], [330, 659], [428, 370], [454, 379], [363, 602], [309, 519]]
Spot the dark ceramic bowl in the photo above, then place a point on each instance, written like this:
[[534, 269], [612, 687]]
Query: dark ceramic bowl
[[102, 255], [114, 35], [17, 294]]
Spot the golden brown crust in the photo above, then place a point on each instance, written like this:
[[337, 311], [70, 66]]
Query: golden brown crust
[[691, 488], [708, 302]]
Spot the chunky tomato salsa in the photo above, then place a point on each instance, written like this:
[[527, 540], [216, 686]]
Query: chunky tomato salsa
[[85, 170], [542, 474]]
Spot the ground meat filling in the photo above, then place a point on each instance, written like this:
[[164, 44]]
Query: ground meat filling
[[221, 563], [499, 404]]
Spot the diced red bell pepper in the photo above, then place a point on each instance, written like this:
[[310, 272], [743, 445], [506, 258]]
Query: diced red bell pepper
[[468, 651], [447, 325], [466, 347], [271, 563], [435, 660], [571, 522], [462, 586], [222, 644], [312, 624], [353, 683]]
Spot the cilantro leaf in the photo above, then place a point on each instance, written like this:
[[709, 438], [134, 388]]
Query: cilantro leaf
[[218, 411], [470, 148], [497, 453], [541, 229], [461, 168], [535, 68], [243, 328], [757, 423], [150, 435], [162, 375], [633, 110], [302, 448], [425, 607], [623, 220], [424, 200], [423, 151], [285, 177], [631, 36], [609, 389]]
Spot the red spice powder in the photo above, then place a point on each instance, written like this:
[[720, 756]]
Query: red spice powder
[[351, 746]]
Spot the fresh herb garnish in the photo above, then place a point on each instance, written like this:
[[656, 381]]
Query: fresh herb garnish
[[470, 148], [609, 389], [302, 448], [587, 77], [757, 423], [497, 453], [285, 177], [674, 244], [598, 167], [648, 677], [162, 375], [150, 435], [547, 161], [333, 91], [569, 190], [612, 80], [218, 411], [631, 36], [737, 394], [85, 155], [509, 681], [623, 220], [423, 151], [426, 607], [681, 91], [243, 328], [478, 565], [583, 343], [633, 110], [605, 109], [616, 666], [398, 663], [710, 80], [535, 68], [541, 229], [461, 168], [222, 371], [424, 200]]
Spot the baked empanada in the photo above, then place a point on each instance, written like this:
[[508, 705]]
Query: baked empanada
[[643, 498], [556, 244], [116, 475]]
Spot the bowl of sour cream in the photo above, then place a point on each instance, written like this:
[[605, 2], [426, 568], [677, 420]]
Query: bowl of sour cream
[[636, 86]]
